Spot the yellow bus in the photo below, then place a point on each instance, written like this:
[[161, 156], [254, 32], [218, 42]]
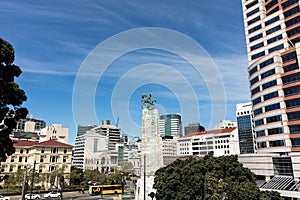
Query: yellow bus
[[106, 189]]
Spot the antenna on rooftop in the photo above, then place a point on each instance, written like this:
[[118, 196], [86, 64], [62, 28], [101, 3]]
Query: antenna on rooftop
[[118, 119]]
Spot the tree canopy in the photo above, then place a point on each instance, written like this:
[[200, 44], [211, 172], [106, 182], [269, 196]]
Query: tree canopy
[[210, 178], [11, 98]]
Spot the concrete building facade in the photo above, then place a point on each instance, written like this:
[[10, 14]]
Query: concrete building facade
[[54, 132], [218, 141]]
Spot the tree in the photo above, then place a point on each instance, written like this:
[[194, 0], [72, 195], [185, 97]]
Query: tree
[[11, 98], [76, 176], [126, 167], [210, 178]]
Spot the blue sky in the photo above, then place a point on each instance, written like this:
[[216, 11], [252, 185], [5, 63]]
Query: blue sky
[[53, 41]]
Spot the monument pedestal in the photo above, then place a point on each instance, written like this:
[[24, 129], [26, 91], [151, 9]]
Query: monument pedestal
[[151, 147]]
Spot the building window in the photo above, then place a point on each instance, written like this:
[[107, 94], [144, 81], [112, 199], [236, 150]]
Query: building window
[[252, 71], [291, 67], [261, 145], [289, 57], [272, 107], [291, 78], [273, 119], [252, 21], [292, 91], [267, 73], [21, 151], [252, 12], [274, 19], [251, 4], [274, 39], [291, 12], [258, 55], [256, 37], [276, 48], [293, 21], [295, 142], [254, 80], [255, 90], [42, 158], [256, 101], [293, 103], [260, 133], [289, 3], [11, 168], [270, 95], [252, 48], [272, 30], [54, 150], [295, 129], [259, 122], [275, 131], [65, 150], [43, 150], [283, 166], [269, 84], [20, 159], [12, 159], [65, 159], [257, 111], [251, 30], [266, 63], [294, 116]]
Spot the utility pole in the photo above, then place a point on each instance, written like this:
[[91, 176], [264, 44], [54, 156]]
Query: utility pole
[[24, 183], [32, 179], [144, 176]]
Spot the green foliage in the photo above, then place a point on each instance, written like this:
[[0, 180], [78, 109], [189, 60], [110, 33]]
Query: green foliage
[[211, 178], [11, 98], [270, 195], [76, 176], [126, 167], [14, 181]]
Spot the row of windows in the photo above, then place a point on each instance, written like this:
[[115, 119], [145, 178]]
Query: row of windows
[[293, 116], [293, 21], [277, 143], [291, 91], [289, 3], [253, 70], [289, 57], [291, 12], [271, 4], [254, 80], [268, 120], [257, 111], [292, 32], [292, 103], [271, 131], [256, 101], [291, 78], [267, 108], [291, 67], [294, 129]]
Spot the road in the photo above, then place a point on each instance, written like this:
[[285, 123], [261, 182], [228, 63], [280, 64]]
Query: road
[[80, 196]]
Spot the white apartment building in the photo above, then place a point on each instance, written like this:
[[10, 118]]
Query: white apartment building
[[54, 132], [218, 141], [99, 148]]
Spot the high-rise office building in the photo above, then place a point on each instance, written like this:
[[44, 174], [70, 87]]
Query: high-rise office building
[[272, 31], [170, 125], [245, 128], [30, 124]]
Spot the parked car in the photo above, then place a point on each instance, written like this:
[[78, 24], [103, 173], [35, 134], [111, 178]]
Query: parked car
[[4, 198], [33, 196], [52, 195]]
